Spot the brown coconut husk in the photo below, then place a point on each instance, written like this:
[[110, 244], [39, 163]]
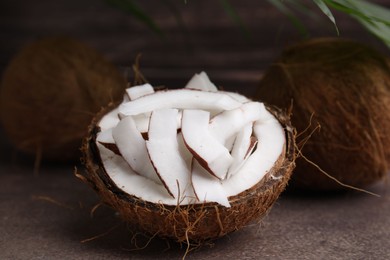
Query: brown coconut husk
[[343, 87], [50, 92], [196, 223]]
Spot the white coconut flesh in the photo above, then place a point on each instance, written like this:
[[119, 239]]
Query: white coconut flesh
[[141, 120], [206, 187], [243, 146], [201, 81], [180, 99], [165, 154], [139, 91], [132, 146], [227, 124], [202, 145]]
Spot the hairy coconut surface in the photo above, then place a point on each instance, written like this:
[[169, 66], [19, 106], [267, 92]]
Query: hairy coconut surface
[[344, 87], [50, 92], [192, 223]]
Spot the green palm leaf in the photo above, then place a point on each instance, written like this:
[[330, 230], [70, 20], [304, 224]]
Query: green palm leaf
[[375, 18]]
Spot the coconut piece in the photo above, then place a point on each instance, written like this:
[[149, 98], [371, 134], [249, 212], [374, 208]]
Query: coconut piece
[[134, 92], [228, 123], [127, 180], [184, 152], [105, 138], [202, 82], [110, 120], [132, 147], [230, 142], [206, 187], [139, 91], [180, 99], [164, 152], [142, 122], [243, 147], [210, 153], [266, 155]]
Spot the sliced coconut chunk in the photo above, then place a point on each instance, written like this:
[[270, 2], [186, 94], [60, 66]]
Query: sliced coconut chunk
[[202, 82], [133, 148], [180, 99], [164, 152], [142, 121], [129, 181], [228, 123], [229, 142], [139, 91], [272, 142], [243, 147], [109, 120], [206, 187], [185, 153], [132, 93], [210, 153], [105, 138]]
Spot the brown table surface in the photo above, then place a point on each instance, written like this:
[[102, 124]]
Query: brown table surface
[[47, 216]]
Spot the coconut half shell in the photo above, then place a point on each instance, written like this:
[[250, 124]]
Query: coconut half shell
[[193, 223]]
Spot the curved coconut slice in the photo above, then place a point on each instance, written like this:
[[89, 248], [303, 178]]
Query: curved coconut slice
[[180, 99], [272, 143], [128, 180], [139, 91], [228, 123], [210, 153], [164, 153], [142, 122], [243, 147], [206, 187], [110, 120], [105, 138], [185, 153], [133, 148], [134, 92], [202, 82]]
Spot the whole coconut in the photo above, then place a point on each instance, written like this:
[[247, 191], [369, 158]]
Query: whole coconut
[[344, 87], [50, 92]]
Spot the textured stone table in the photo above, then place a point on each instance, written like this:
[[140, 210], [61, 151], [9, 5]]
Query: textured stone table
[[48, 216]]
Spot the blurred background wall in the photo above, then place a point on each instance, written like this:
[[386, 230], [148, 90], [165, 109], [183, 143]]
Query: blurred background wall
[[195, 35]]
